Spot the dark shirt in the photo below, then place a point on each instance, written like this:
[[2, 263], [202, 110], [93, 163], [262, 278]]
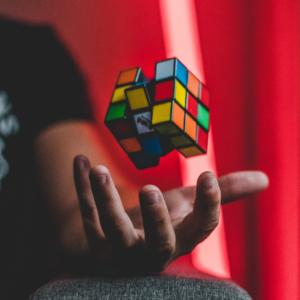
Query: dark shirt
[[39, 86]]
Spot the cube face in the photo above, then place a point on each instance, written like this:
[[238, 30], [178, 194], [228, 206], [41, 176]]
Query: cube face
[[165, 69], [191, 127], [132, 75], [143, 122], [180, 93], [191, 151], [130, 145], [204, 95], [181, 72], [152, 146], [178, 116], [180, 140], [192, 106], [151, 118], [116, 112], [127, 76], [167, 129], [119, 94], [202, 139], [203, 116], [138, 97], [164, 90], [161, 113], [193, 85]]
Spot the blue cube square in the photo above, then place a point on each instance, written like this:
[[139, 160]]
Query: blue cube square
[[181, 72], [151, 146]]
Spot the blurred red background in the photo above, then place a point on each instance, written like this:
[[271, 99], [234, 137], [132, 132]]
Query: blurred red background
[[251, 61]]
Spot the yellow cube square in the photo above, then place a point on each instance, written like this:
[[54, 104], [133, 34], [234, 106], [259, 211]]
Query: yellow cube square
[[138, 97], [161, 113], [180, 93], [119, 94]]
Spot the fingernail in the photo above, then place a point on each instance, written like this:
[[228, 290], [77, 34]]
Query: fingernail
[[101, 179], [80, 163], [151, 198], [208, 182]]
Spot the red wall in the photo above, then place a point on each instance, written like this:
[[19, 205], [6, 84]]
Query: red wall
[[251, 61]]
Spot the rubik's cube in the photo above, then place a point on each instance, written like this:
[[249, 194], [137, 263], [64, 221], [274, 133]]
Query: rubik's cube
[[152, 117]]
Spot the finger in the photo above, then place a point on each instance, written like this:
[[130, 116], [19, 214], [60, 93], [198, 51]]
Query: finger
[[205, 215], [234, 186], [115, 223], [159, 233], [88, 206], [238, 185], [207, 203]]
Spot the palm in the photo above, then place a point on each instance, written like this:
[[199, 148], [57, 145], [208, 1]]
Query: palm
[[179, 202]]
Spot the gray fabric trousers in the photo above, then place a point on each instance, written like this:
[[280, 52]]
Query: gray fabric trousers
[[176, 283]]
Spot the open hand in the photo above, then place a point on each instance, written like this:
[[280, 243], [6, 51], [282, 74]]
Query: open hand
[[165, 226]]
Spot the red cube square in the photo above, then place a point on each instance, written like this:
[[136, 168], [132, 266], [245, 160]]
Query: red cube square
[[192, 106], [164, 90]]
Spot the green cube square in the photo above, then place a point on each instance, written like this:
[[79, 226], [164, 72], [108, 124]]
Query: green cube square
[[116, 112], [203, 116]]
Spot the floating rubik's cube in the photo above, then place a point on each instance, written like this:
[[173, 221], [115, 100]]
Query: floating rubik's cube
[[151, 117]]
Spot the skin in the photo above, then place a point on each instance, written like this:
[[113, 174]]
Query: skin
[[99, 226]]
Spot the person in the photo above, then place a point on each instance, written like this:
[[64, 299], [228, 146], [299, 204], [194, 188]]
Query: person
[[61, 188]]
